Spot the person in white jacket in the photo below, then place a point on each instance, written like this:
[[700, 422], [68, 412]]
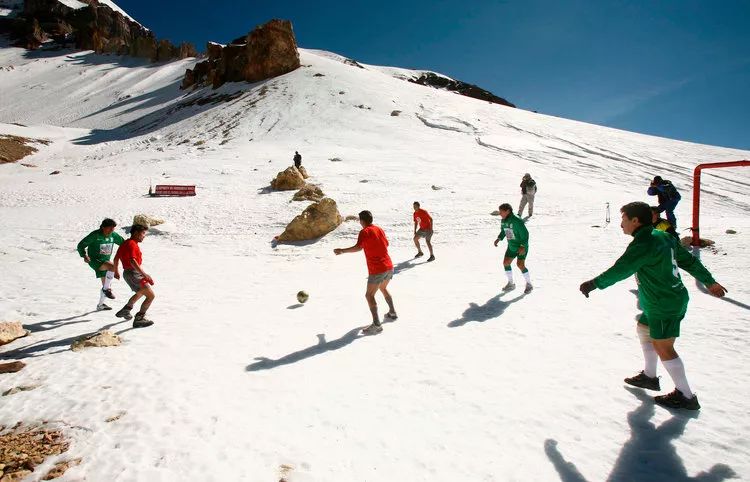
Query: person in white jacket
[[528, 191]]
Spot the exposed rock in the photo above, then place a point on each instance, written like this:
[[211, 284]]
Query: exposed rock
[[309, 192], [54, 173], [495, 213], [351, 217], [268, 51], [22, 388], [12, 367], [59, 469], [731, 231], [114, 418], [288, 179], [315, 221], [395, 113], [303, 171], [95, 27], [11, 330], [432, 79], [14, 148], [146, 220], [436, 188], [102, 339], [335, 159], [22, 449], [688, 240]]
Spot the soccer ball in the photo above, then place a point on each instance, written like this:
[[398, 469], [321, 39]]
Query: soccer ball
[[302, 296]]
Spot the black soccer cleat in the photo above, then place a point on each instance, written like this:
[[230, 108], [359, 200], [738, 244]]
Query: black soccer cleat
[[431, 258], [419, 255], [108, 294], [140, 321], [124, 313], [644, 381], [676, 399]]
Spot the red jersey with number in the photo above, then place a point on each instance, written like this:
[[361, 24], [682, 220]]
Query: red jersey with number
[[373, 241], [424, 219], [127, 251]]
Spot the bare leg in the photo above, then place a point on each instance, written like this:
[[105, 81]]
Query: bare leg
[[149, 294], [370, 296], [416, 243], [387, 296], [428, 239]]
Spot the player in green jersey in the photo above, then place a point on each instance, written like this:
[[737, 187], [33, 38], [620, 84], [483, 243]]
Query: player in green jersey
[[513, 228], [96, 249], [655, 258]]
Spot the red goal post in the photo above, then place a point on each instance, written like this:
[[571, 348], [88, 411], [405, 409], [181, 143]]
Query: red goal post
[[697, 192]]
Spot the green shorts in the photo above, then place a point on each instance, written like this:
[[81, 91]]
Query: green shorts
[[513, 253], [662, 327], [95, 264]]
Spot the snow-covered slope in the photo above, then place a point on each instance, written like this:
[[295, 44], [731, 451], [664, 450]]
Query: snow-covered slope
[[237, 382]]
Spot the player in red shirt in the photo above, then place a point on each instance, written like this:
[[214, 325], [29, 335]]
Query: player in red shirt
[[424, 220], [130, 256], [379, 266]]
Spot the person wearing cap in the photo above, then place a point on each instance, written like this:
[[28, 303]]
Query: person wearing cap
[[668, 197], [528, 190], [96, 249]]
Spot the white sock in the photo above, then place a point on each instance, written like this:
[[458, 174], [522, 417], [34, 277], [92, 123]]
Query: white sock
[[649, 359], [527, 277], [102, 297], [108, 280], [676, 370], [509, 274]]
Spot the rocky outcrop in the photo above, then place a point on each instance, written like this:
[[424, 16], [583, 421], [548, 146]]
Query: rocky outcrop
[[146, 220], [12, 367], [268, 51], [315, 221], [102, 339], [309, 192], [11, 330], [303, 171], [288, 179], [432, 79], [95, 27]]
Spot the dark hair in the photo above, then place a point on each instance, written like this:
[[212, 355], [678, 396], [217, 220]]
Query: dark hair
[[655, 209], [366, 216], [658, 179], [137, 228], [639, 210], [506, 207], [108, 223], [416, 203]]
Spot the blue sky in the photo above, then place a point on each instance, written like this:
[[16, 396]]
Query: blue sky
[[672, 68]]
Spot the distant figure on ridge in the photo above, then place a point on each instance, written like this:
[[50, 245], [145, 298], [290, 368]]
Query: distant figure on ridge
[[668, 197], [96, 249], [654, 257], [662, 224], [528, 191], [513, 228], [424, 220], [379, 266], [131, 257], [297, 159]]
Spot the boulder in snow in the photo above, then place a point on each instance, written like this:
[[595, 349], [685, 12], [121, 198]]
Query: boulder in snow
[[309, 192], [288, 179], [12, 367], [303, 171], [317, 220], [11, 330], [100, 339], [146, 220]]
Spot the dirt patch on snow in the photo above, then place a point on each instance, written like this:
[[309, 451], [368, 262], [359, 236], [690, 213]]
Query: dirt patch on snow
[[14, 148], [23, 448]]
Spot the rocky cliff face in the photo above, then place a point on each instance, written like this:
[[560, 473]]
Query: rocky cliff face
[[433, 80], [94, 27], [268, 51]]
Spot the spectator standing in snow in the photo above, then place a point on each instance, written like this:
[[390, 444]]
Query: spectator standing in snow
[[513, 228], [668, 197], [423, 219], [131, 257], [297, 159], [372, 240], [96, 249], [655, 258], [528, 191]]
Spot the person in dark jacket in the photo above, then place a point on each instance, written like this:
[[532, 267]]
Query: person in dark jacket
[[668, 197], [297, 159]]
